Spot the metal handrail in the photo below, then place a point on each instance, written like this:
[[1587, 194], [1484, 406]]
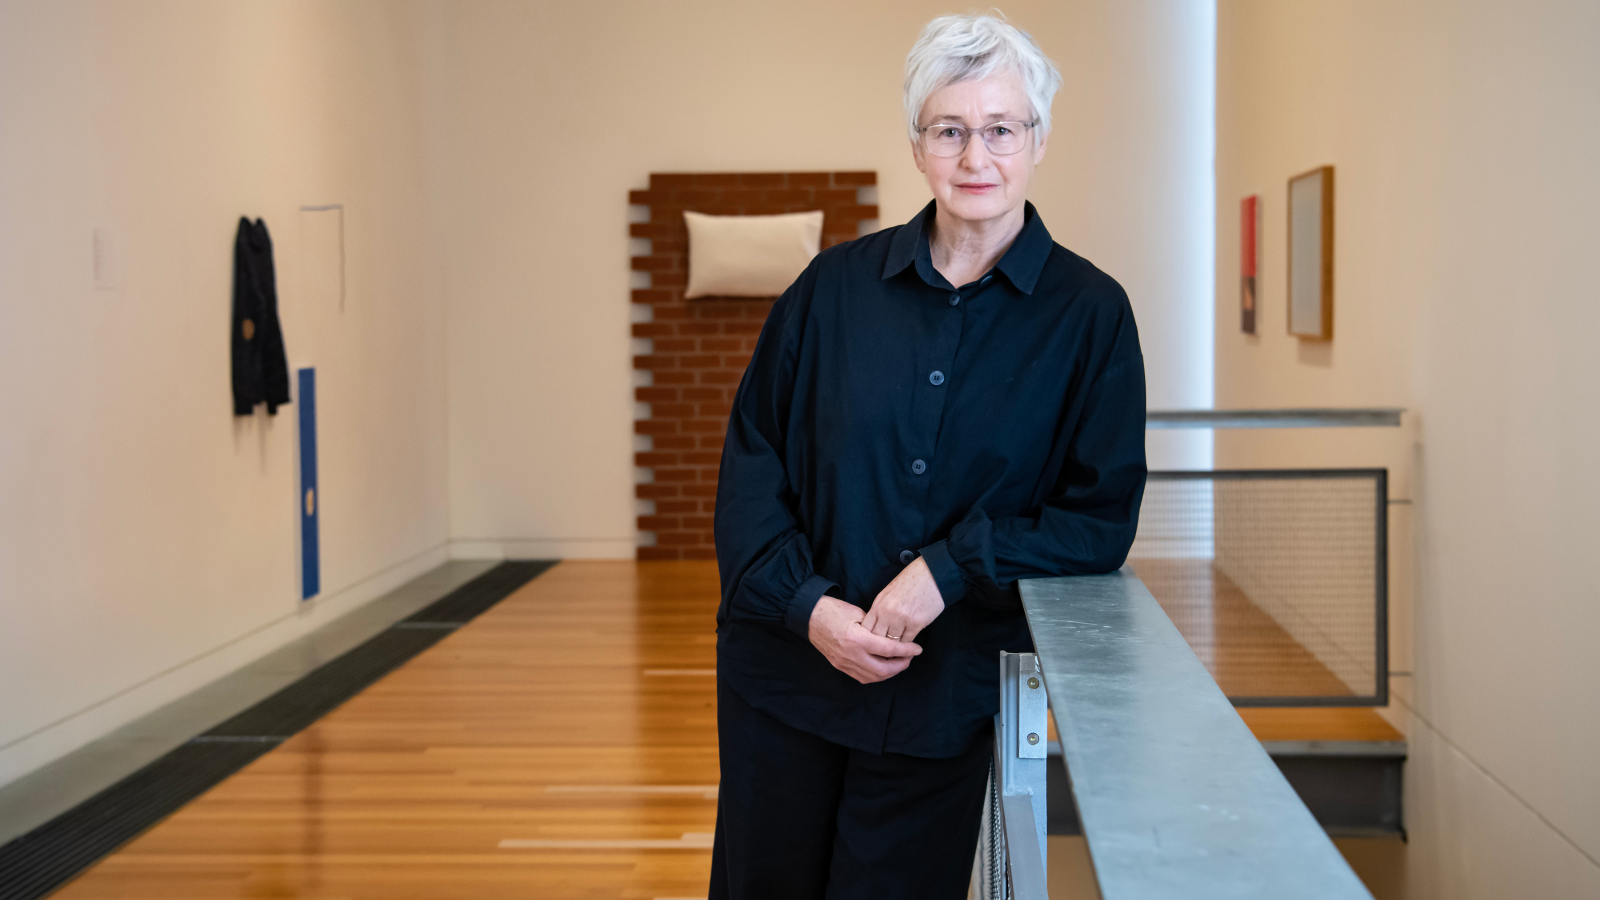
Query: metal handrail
[[1177, 798], [1377, 417]]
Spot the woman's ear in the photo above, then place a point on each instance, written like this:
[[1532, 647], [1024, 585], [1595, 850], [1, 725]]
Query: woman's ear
[[1038, 152], [916, 157]]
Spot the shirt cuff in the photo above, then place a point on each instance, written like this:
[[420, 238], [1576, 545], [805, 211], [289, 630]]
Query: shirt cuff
[[804, 602], [946, 571]]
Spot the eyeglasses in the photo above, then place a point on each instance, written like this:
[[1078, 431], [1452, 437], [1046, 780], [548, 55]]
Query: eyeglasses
[[1001, 138]]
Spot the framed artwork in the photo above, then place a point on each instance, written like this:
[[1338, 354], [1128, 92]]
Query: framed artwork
[[1311, 255], [1249, 242]]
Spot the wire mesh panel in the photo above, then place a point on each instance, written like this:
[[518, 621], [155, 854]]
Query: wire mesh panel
[[1275, 577]]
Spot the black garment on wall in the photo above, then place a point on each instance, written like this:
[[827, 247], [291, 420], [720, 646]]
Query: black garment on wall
[[260, 368]]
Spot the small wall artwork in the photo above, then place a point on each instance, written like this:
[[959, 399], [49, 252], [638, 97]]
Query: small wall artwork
[[1311, 255], [1249, 242]]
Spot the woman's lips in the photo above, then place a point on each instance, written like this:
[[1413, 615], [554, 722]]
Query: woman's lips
[[977, 187]]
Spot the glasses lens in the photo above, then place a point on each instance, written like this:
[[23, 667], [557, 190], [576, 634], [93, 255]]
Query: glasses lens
[[945, 140], [1004, 138]]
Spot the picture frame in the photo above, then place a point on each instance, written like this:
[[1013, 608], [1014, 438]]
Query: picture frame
[[1310, 250]]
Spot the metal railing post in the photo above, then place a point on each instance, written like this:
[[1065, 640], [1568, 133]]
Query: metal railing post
[[1020, 747]]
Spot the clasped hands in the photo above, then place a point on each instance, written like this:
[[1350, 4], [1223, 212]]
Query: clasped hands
[[877, 644]]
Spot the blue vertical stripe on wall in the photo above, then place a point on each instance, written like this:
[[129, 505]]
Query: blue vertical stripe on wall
[[310, 503]]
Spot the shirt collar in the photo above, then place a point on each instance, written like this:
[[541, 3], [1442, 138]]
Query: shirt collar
[[1022, 262]]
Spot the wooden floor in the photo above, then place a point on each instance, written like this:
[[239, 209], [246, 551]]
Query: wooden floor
[[563, 745], [580, 709], [1244, 648]]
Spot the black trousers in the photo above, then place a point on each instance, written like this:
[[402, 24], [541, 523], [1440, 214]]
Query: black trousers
[[802, 818]]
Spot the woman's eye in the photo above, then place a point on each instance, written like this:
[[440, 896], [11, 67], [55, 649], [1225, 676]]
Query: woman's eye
[[999, 131], [949, 133]]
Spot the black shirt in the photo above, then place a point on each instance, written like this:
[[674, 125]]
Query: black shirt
[[996, 430]]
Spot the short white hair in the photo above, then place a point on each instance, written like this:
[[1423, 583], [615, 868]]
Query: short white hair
[[953, 49]]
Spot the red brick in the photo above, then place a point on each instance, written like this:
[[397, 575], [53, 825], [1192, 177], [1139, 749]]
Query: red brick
[[674, 345], [653, 295], [696, 198], [677, 475], [675, 311], [699, 328], [648, 554], [669, 377], [710, 344], [700, 490], [809, 179], [696, 522], [697, 458], [707, 441], [674, 442], [699, 553], [655, 491], [714, 308], [704, 393], [787, 195], [657, 329], [655, 426], [761, 179], [745, 327], [654, 458], [703, 425], [669, 279], [658, 523], [654, 362], [740, 361], [838, 213], [720, 378], [715, 410], [671, 410], [851, 178], [715, 179], [680, 539], [698, 361], [644, 198], [668, 507], [653, 263], [669, 180], [656, 394]]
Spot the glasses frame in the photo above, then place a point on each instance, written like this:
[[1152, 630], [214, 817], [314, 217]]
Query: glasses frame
[[966, 137]]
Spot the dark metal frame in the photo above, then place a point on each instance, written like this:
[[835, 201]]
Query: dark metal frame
[[1380, 477]]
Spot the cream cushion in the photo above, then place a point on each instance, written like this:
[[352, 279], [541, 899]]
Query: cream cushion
[[749, 256]]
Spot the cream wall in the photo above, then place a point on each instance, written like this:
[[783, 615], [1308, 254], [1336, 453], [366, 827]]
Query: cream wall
[[147, 537], [1468, 212], [561, 108]]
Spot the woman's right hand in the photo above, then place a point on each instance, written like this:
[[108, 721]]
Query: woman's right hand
[[836, 630]]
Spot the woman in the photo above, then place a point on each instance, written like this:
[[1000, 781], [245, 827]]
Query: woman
[[932, 412]]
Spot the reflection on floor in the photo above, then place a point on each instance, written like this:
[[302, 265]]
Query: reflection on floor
[[561, 745], [1244, 649]]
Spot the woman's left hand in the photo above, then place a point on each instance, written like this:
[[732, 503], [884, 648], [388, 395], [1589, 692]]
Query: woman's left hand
[[907, 605]]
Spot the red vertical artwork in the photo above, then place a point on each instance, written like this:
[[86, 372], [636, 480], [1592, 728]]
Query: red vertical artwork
[[1249, 217]]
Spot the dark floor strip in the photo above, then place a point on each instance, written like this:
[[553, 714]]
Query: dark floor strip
[[37, 863]]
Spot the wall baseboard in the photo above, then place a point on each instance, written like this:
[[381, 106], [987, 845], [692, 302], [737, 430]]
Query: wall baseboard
[[543, 548], [56, 740]]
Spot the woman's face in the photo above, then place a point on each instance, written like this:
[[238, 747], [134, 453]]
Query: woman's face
[[978, 186]]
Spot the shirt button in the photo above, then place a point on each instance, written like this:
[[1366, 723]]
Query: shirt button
[[955, 299], [987, 279], [936, 378], [918, 467], [906, 556]]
